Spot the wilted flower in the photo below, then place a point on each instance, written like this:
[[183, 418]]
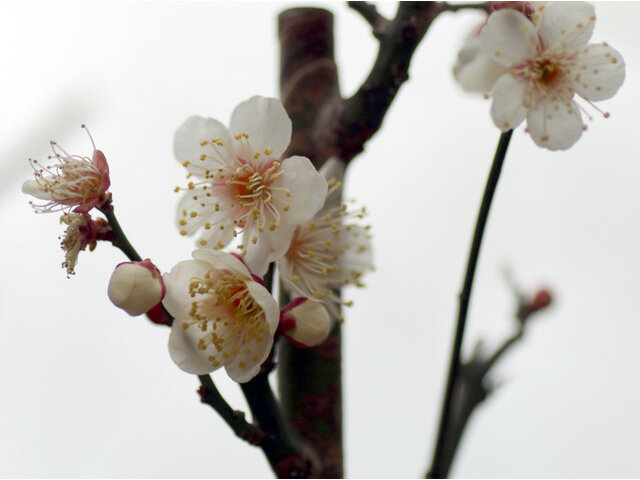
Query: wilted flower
[[241, 183], [329, 251], [82, 232], [136, 287], [224, 316], [548, 62], [305, 323], [74, 181]]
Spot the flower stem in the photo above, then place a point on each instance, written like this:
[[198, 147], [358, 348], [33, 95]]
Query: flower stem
[[437, 470], [121, 240]]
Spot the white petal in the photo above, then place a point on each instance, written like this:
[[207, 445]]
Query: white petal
[[183, 349], [31, 187], [177, 300], [268, 304], [187, 144], [266, 122], [599, 72], [259, 254], [250, 369], [475, 70], [358, 256], [221, 261], [509, 37], [221, 225], [307, 187], [567, 24], [507, 109], [555, 125], [480, 75], [332, 168]]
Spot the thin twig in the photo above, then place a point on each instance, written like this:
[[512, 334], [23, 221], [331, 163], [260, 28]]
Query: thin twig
[[456, 7], [121, 240], [436, 470]]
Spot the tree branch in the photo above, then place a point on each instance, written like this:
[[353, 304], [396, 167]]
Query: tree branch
[[370, 13], [437, 467]]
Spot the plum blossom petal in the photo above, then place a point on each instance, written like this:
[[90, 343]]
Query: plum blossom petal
[[191, 144], [223, 317], [567, 24], [555, 125], [266, 122], [509, 37], [507, 109], [601, 72], [474, 70]]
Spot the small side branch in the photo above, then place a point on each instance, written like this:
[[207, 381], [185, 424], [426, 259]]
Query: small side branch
[[370, 13], [120, 239]]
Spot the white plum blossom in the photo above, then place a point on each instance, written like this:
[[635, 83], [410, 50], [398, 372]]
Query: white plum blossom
[[74, 181], [330, 251], [549, 61], [240, 182], [224, 316]]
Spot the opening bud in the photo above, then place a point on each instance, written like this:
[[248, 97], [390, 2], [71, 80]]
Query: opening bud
[[305, 323], [136, 287]]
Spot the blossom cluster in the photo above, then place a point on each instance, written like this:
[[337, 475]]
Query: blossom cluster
[[533, 59]]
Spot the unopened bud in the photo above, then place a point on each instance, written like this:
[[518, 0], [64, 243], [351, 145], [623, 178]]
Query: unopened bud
[[305, 323], [136, 287], [541, 300]]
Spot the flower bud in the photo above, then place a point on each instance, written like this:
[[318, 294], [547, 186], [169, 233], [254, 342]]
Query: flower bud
[[136, 287], [305, 323]]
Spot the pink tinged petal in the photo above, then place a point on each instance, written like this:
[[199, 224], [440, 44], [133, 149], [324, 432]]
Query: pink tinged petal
[[554, 124], [509, 37], [187, 145], [183, 349], [567, 25], [599, 72], [266, 122], [507, 109], [31, 187]]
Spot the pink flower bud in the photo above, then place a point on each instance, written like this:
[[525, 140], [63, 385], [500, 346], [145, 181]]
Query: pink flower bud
[[136, 287], [541, 300], [305, 323]]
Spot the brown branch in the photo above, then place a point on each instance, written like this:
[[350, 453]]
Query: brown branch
[[370, 13], [284, 460]]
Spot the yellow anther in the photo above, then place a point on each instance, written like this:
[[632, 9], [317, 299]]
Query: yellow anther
[[185, 163], [254, 239], [287, 207], [183, 222], [203, 143], [193, 214], [272, 226], [177, 189], [183, 232], [203, 242]]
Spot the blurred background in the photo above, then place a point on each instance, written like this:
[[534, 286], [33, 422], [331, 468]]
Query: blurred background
[[87, 391]]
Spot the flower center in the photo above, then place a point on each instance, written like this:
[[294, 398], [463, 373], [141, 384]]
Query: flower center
[[547, 71], [227, 315]]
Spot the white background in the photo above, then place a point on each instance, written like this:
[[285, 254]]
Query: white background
[[86, 390]]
